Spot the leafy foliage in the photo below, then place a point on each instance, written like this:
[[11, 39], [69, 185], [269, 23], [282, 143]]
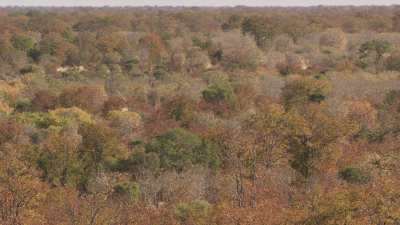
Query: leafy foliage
[[180, 148], [354, 175], [199, 116]]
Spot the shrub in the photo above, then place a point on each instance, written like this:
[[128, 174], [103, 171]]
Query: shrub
[[372, 53], [300, 91], [139, 161], [292, 64], [181, 108], [160, 72], [23, 105], [197, 60], [114, 103], [284, 43], [130, 190], [126, 122], [198, 212], [393, 62], [23, 43], [89, 98], [354, 175], [238, 51], [100, 147], [44, 100], [63, 116], [39, 120], [333, 38], [259, 28], [219, 92]]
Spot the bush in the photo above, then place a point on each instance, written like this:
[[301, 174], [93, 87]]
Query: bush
[[333, 38], [300, 91], [372, 53], [292, 64], [124, 121], [393, 62], [114, 103], [197, 60], [284, 43], [197, 212], [238, 51], [89, 98], [160, 72], [219, 92], [39, 120], [23, 43], [23, 105], [62, 116], [130, 190], [354, 175], [44, 100]]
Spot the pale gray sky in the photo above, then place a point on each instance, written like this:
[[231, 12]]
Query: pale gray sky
[[193, 2]]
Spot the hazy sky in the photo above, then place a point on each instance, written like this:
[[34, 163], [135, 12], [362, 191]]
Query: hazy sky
[[193, 2]]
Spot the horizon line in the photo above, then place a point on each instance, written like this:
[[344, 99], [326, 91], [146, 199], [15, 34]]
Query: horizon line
[[194, 6]]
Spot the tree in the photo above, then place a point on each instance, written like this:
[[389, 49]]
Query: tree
[[179, 149], [152, 51], [125, 122], [219, 92], [257, 27], [23, 43], [333, 38], [44, 100], [300, 91], [284, 43], [21, 190], [396, 22], [89, 98], [60, 160], [128, 190], [389, 114], [114, 103], [362, 113], [197, 60], [265, 143], [67, 116], [196, 212], [238, 51], [100, 148], [54, 44], [233, 22], [373, 52], [292, 64], [267, 128], [313, 140], [354, 175], [393, 61]]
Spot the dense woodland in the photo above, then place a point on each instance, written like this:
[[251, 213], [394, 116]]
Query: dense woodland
[[200, 116]]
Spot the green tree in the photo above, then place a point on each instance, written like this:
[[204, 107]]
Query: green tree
[[129, 190], [196, 212], [354, 175], [219, 92], [302, 90], [59, 159], [179, 149], [257, 27], [372, 52], [100, 148], [313, 140], [23, 43]]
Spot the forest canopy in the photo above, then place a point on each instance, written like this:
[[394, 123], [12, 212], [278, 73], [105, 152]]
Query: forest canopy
[[200, 116]]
